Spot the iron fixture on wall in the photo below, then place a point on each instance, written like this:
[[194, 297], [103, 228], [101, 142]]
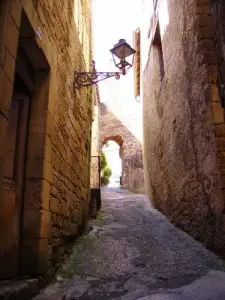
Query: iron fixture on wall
[[120, 52]]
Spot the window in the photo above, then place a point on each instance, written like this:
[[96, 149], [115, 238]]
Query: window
[[137, 61], [157, 43]]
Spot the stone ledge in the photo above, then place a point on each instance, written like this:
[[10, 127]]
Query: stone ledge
[[23, 288]]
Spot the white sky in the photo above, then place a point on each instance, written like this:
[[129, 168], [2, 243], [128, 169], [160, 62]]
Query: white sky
[[113, 20]]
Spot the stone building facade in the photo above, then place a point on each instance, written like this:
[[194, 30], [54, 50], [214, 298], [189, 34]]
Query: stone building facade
[[45, 131], [182, 88]]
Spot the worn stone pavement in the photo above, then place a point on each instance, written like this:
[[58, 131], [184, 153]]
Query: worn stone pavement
[[132, 252]]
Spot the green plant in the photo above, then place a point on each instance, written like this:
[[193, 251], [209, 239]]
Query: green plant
[[106, 171], [104, 162]]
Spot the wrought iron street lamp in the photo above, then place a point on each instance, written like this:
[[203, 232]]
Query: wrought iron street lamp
[[123, 57]]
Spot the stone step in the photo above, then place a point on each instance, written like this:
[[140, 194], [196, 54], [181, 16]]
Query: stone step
[[19, 288]]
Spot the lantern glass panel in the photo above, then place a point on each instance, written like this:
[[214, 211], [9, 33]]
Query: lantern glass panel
[[122, 49]]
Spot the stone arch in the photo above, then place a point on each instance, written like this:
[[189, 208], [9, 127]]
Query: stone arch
[[120, 142], [115, 138]]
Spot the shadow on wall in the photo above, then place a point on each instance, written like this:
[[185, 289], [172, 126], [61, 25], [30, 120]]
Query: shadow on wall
[[111, 128], [181, 152]]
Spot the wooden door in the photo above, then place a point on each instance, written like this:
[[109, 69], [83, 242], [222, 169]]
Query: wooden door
[[14, 166]]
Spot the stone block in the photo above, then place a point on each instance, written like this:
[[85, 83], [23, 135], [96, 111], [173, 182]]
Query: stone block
[[205, 33], [203, 9], [205, 21], [58, 207], [8, 217], [1, 174], [38, 121], [84, 192], [222, 171], [213, 74], [48, 149], [16, 10], [200, 2], [9, 65], [37, 223], [35, 169], [210, 57], [9, 224], [36, 145], [39, 146], [218, 113], [221, 144], [39, 168], [215, 93], [73, 230], [37, 193], [6, 90], [220, 130], [221, 154], [11, 36], [34, 256], [39, 108], [207, 44], [3, 133], [222, 166]]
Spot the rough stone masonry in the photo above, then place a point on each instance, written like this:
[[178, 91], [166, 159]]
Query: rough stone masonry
[[184, 118], [48, 206]]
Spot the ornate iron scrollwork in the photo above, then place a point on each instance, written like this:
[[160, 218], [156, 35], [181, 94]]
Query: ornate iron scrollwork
[[89, 78]]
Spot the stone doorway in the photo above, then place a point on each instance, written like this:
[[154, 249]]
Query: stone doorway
[[11, 220], [28, 102]]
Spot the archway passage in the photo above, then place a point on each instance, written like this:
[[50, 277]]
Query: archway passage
[[112, 152], [114, 138], [120, 126]]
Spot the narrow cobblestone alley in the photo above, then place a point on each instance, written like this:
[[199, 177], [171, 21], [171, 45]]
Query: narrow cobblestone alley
[[132, 252]]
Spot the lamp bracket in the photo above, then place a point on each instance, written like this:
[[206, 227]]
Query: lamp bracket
[[83, 79]]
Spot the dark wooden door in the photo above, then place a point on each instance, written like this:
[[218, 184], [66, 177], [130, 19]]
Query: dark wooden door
[[13, 184]]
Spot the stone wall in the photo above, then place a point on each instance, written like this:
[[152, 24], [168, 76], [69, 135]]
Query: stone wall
[[56, 189], [95, 164], [95, 144], [184, 121]]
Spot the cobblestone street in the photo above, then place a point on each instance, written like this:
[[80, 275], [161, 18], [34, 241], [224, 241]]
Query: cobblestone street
[[132, 252]]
